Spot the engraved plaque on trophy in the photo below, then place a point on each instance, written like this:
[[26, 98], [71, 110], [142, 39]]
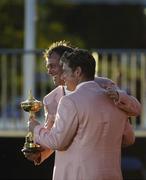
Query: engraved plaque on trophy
[[32, 106]]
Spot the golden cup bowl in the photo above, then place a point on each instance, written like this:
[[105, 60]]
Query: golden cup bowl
[[31, 105]]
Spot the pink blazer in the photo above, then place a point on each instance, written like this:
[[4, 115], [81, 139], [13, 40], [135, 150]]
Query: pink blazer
[[87, 135], [127, 103]]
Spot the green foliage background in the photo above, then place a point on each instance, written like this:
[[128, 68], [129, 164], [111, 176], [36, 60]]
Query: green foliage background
[[11, 23], [49, 24], [85, 25]]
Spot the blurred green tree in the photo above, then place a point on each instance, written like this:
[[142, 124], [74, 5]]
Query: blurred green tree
[[11, 23], [85, 25]]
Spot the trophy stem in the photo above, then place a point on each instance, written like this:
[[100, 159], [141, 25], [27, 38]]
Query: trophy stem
[[29, 145], [31, 115]]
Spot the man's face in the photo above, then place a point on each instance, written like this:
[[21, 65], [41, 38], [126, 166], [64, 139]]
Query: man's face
[[54, 69], [70, 78]]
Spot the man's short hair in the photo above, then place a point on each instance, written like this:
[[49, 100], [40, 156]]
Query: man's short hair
[[58, 47], [80, 58]]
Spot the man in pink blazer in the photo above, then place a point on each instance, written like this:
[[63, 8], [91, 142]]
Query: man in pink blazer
[[52, 57], [88, 130]]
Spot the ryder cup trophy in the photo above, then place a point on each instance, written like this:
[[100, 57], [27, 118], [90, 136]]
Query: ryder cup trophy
[[32, 106]]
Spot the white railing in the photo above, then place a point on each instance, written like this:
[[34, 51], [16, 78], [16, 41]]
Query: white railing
[[12, 82], [126, 67]]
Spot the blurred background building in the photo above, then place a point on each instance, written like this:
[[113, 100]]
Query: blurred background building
[[113, 30]]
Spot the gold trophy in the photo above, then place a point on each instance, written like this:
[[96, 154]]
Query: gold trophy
[[32, 106]]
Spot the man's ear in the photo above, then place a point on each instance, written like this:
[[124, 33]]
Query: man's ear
[[78, 71]]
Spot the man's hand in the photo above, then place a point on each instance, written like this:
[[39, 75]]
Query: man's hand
[[112, 93], [35, 157]]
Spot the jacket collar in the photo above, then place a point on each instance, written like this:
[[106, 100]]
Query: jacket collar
[[86, 83]]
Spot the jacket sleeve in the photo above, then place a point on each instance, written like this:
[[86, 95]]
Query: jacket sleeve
[[50, 108], [128, 135], [126, 102], [48, 123], [49, 118], [64, 129]]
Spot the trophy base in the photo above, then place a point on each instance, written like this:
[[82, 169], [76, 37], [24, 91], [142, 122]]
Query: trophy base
[[31, 149], [29, 145]]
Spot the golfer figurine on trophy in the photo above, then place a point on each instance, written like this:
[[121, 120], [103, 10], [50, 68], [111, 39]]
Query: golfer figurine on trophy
[[32, 106]]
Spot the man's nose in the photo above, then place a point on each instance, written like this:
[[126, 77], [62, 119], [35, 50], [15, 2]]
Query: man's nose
[[62, 77], [49, 71]]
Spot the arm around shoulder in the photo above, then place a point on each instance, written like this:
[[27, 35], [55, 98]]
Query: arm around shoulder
[[128, 103]]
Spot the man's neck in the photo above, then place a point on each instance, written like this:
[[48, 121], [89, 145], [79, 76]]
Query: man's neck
[[84, 79]]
